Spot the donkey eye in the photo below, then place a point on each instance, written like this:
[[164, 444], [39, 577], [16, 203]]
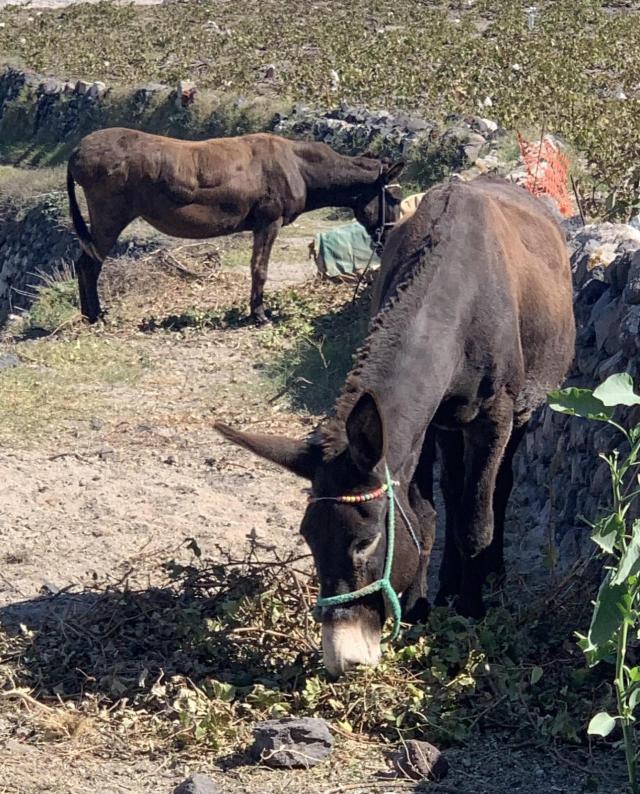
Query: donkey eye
[[366, 547]]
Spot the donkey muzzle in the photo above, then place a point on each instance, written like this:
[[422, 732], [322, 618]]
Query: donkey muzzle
[[349, 643]]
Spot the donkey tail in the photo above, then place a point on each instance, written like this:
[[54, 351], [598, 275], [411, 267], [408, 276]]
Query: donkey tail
[[84, 235]]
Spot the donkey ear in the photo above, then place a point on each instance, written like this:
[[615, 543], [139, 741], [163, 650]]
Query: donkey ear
[[296, 456], [391, 173], [365, 433]]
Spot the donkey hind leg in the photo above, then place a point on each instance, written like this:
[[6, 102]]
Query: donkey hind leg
[[87, 270], [451, 446], [106, 225], [263, 240], [493, 557], [485, 442], [414, 602]]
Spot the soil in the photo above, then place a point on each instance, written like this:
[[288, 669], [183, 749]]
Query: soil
[[133, 482]]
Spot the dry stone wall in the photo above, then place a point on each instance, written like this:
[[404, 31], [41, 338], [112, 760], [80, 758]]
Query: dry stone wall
[[558, 474], [34, 242]]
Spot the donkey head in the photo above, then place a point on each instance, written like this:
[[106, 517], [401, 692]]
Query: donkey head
[[348, 540], [378, 207]]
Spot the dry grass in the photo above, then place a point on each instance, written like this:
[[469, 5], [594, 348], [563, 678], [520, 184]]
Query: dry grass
[[22, 186], [61, 382]]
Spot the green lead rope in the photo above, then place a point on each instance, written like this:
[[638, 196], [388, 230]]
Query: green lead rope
[[380, 585]]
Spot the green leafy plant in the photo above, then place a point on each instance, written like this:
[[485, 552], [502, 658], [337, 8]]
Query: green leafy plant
[[617, 606]]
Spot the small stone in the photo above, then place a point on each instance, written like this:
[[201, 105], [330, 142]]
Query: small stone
[[197, 784], [82, 87], [484, 127], [50, 86], [95, 423], [419, 761], [186, 93], [291, 743], [472, 146], [97, 90], [8, 360]]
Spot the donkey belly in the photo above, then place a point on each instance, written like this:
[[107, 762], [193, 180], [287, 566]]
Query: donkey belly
[[196, 221]]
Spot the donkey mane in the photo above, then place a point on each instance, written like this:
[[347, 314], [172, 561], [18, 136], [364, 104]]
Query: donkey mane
[[411, 272]]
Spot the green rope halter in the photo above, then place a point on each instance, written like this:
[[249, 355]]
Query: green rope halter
[[380, 585]]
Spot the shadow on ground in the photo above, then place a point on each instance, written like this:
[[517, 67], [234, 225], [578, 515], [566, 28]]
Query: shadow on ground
[[118, 643]]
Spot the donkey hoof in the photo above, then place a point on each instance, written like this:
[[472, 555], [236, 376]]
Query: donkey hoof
[[445, 596], [260, 318], [470, 608]]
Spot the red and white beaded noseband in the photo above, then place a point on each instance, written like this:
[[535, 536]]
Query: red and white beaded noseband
[[352, 499]]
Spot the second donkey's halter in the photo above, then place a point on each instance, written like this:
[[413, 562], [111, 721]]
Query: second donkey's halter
[[383, 584]]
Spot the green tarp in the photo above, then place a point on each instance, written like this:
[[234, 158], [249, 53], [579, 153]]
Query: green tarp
[[341, 252]]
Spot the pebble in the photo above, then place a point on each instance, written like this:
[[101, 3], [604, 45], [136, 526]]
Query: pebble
[[419, 761], [197, 784], [8, 360]]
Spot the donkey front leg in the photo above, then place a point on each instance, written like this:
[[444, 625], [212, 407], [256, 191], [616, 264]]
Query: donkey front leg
[[263, 240], [415, 602], [485, 441]]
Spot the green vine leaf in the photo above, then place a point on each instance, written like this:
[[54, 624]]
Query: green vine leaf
[[579, 402], [617, 390], [611, 609], [607, 531], [601, 725], [629, 562]]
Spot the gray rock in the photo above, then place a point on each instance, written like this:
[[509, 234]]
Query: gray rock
[[82, 87], [486, 127], [473, 146], [617, 363], [51, 86], [419, 761], [97, 90], [197, 784], [605, 300], [606, 324], [631, 292], [291, 743], [268, 71], [8, 360]]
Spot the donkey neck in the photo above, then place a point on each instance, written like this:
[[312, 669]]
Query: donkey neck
[[336, 180], [408, 361]]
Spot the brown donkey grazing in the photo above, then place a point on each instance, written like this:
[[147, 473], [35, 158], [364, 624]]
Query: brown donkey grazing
[[474, 326], [202, 189]]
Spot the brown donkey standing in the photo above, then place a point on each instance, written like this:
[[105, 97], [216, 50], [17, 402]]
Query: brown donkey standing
[[474, 326], [202, 189]]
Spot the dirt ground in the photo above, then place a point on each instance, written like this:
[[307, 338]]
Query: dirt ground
[[130, 472]]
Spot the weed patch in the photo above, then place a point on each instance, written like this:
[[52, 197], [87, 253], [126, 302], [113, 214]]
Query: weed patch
[[56, 384]]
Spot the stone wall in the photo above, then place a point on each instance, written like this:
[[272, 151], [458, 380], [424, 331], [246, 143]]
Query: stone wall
[[42, 118], [33, 241], [559, 476]]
